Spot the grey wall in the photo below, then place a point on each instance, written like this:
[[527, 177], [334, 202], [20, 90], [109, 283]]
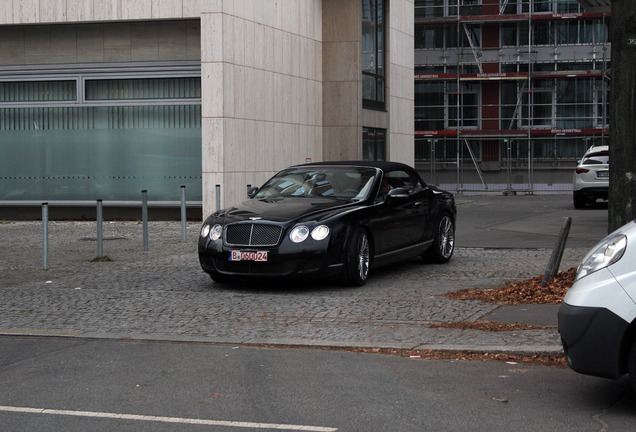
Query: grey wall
[[100, 42]]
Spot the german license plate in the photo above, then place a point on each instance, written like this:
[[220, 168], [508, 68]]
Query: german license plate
[[248, 256], [602, 174]]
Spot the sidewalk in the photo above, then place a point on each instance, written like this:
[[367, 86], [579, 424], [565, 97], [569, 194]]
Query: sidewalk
[[162, 294]]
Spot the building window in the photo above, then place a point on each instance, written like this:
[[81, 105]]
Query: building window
[[89, 135], [436, 105], [143, 89], [468, 105], [560, 104], [373, 75], [430, 105], [38, 91], [429, 8], [374, 144]]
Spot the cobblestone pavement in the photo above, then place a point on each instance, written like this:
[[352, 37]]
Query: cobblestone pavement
[[163, 294]]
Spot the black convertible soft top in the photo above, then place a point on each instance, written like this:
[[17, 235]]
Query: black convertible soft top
[[383, 165]]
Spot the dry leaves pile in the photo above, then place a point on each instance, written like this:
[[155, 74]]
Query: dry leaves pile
[[539, 359], [525, 292], [489, 326], [431, 354]]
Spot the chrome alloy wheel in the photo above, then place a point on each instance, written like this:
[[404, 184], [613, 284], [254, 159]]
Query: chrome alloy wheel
[[446, 237], [363, 256]]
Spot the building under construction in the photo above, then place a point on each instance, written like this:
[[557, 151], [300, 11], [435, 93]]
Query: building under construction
[[508, 94]]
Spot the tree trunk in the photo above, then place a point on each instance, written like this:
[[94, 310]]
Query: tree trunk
[[622, 189]]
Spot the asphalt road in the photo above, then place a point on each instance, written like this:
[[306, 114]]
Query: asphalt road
[[104, 385], [526, 222]]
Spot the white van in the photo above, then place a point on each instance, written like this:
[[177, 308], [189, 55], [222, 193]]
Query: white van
[[597, 319]]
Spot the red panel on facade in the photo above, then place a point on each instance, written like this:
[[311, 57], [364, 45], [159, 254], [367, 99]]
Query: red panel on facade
[[490, 7], [490, 105], [490, 68], [504, 133], [496, 17], [490, 35]]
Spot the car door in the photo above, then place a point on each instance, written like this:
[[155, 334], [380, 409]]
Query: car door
[[401, 220]]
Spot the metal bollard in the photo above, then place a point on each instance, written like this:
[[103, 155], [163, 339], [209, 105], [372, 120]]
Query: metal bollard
[[557, 253], [183, 214], [218, 197], [45, 236], [144, 217], [100, 231]]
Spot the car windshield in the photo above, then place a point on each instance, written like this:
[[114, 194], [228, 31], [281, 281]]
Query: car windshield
[[352, 183]]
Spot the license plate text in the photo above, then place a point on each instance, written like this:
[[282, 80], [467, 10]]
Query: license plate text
[[248, 256]]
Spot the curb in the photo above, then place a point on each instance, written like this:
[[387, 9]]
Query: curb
[[290, 343]]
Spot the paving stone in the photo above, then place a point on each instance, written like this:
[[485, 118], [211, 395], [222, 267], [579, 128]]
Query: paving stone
[[163, 294]]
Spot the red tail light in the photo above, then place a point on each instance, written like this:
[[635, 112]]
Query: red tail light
[[582, 170]]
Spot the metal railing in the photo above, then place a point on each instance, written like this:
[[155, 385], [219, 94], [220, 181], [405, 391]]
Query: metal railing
[[99, 225]]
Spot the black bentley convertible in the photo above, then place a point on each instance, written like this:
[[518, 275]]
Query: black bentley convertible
[[329, 219]]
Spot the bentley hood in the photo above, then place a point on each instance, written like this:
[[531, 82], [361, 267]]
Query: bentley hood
[[284, 209]]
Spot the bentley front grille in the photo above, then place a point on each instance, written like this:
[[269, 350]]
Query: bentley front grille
[[252, 234]]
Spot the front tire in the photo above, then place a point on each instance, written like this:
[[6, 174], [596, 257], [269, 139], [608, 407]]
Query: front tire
[[631, 366], [357, 259], [443, 245], [579, 200]]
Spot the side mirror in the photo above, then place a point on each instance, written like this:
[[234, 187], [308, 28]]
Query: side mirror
[[398, 193], [251, 193]]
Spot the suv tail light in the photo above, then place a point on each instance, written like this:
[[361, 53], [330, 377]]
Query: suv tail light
[[582, 170]]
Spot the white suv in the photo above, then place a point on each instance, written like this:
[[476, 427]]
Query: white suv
[[591, 177]]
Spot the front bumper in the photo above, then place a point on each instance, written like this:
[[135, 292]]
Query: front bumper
[[287, 260], [279, 267], [592, 340]]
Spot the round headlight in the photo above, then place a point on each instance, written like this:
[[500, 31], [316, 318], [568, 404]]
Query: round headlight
[[320, 232], [608, 252], [215, 232], [299, 234], [205, 230]]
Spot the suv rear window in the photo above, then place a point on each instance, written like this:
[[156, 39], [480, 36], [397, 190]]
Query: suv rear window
[[596, 158]]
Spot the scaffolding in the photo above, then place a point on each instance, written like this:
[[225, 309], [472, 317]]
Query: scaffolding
[[509, 94]]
